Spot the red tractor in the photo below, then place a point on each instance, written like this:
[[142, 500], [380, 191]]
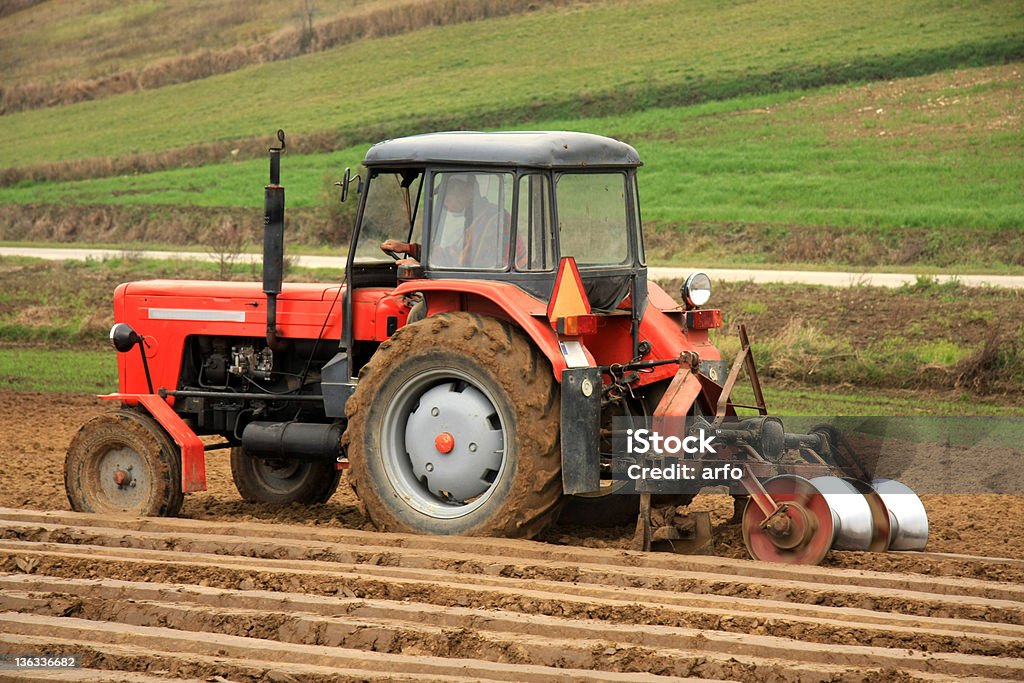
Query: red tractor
[[494, 327]]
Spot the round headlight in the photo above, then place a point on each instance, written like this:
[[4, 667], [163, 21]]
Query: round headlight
[[123, 337], [696, 289]]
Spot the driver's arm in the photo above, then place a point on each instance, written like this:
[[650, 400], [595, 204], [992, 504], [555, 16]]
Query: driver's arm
[[410, 248]]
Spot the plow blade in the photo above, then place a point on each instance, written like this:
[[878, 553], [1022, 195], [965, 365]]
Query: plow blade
[[687, 535]]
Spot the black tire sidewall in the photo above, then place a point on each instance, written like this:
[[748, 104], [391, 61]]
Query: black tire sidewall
[[318, 482]]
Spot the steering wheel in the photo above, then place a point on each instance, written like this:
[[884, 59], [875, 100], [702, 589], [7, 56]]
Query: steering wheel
[[393, 254]]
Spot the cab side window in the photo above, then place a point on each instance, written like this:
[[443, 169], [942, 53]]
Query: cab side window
[[535, 237]]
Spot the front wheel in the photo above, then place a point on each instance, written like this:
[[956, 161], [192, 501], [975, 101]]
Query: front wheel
[[123, 462], [454, 429], [280, 481]]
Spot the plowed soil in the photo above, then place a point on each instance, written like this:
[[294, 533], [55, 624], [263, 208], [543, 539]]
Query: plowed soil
[[246, 592]]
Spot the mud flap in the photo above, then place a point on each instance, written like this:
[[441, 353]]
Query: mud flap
[[581, 425]]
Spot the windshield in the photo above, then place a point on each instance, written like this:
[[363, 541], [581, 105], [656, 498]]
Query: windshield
[[592, 218], [391, 211]]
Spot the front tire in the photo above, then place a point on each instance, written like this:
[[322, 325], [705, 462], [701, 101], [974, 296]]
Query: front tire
[[280, 482], [124, 462], [454, 429]]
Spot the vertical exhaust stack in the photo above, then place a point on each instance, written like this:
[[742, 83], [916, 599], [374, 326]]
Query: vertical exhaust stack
[[273, 242]]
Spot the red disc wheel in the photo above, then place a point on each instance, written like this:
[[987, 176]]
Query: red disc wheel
[[800, 534]]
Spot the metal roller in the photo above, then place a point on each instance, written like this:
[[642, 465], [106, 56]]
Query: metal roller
[[800, 532], [907, 516], [851, 514], [881, 525]]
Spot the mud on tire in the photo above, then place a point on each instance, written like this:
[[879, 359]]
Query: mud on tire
[[490, 363], [134, 444]]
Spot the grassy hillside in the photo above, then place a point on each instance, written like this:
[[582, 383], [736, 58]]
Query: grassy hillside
[[61, 52], [942, 154], [513, 69], [788, 132], [934, 151], [58, 41]]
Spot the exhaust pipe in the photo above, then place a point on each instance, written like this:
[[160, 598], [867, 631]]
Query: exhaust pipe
[[273, 242]]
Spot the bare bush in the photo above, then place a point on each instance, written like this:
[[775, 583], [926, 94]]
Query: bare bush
[[997, 364], [226, 246]]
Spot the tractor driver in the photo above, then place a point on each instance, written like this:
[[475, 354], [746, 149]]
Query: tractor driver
[[471, 231]]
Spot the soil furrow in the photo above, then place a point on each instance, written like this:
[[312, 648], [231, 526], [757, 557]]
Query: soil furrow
[[482, 640], [937, 635], [121, 661], [934, 565], [494, 575], [435, 588], [748, 658], [226, 645], [288, 617], [579, 571]]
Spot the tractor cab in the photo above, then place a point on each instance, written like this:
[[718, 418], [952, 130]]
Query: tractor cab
[[502, 207]]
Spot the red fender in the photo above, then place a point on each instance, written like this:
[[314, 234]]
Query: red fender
[[499, 299], [193, 453]]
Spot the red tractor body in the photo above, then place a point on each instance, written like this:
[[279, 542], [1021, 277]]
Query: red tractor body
[[475, 386]]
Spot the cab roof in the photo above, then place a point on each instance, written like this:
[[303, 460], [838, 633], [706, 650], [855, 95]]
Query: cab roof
[[539, 149]]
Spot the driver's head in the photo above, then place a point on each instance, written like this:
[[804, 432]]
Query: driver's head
[[458, 192]]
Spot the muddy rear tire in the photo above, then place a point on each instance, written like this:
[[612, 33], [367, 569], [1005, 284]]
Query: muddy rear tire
[[280, 482], [124, 462], [482, 384]]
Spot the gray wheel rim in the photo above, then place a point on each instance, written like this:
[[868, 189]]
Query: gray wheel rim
[[132, 493], [280, 476], [436, 484]]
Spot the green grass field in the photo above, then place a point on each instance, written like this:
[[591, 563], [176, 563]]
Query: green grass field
[[939, 151], [802, 335], [802, 131], [58, 370], [786, 400], [619, 57]]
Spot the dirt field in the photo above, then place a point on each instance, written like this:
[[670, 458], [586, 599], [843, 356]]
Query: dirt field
[[249, 593]]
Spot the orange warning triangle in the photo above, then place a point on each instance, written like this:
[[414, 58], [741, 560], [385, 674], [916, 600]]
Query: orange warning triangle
[[568, 298]]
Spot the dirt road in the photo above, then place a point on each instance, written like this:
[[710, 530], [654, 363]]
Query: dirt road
[[756, 275], [248, 593]]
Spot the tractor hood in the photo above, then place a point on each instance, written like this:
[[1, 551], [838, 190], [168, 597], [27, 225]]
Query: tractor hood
[[230, 290]]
